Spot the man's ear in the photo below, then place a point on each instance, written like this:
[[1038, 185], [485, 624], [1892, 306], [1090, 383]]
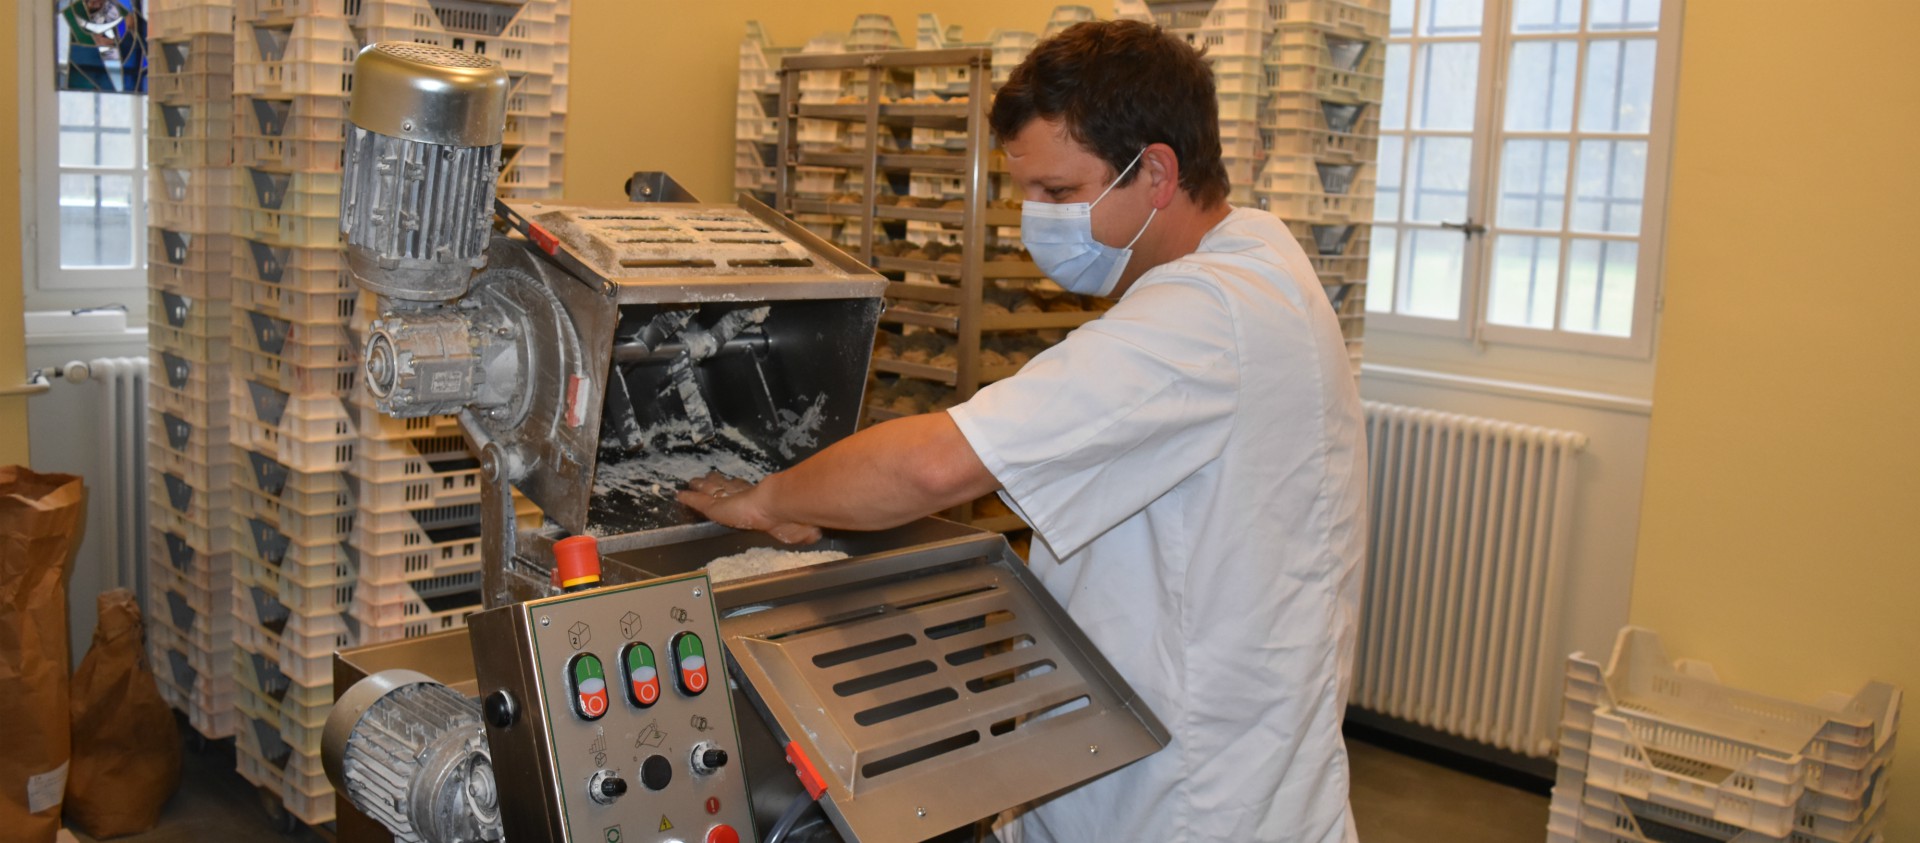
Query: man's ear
[[1163, 171]]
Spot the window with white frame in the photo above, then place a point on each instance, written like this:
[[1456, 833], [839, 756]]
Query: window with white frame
[[87, 165], [1522, 171]]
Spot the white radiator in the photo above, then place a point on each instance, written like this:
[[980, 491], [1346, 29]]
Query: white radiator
[[119, 493], [1470, 519]]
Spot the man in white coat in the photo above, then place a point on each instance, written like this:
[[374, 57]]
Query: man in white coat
[[1192, 462]]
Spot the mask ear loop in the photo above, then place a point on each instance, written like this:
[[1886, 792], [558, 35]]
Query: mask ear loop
[[1116, 179]]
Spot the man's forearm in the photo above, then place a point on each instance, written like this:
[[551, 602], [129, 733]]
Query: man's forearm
[[881, 477]]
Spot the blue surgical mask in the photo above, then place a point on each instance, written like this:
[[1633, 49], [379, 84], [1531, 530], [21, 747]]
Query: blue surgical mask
[[1060, 240]]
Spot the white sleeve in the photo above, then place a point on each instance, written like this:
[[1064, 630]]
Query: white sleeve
[[1094, 429]]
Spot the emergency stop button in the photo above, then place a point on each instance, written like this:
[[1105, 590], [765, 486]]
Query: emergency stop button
[[589, 680], [722, 833], [690, 663]]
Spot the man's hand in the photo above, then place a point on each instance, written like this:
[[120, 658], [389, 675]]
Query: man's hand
[[737, 504]]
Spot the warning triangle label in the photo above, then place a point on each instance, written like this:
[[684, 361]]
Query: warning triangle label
[[665, 824]]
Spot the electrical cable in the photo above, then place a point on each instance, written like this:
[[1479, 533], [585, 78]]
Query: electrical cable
[[788, 818]]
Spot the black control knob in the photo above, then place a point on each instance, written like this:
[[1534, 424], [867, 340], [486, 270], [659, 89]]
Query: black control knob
[[605, 786], [713, 759], [656, 772], [500, 709]]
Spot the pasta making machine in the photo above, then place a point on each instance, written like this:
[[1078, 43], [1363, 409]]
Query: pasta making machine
[[597, 357]]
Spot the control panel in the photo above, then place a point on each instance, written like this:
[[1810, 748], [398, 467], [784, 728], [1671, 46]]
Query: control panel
[[614, 698]]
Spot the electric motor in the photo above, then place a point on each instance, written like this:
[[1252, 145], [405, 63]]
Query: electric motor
[[411, 754], [422, 163]]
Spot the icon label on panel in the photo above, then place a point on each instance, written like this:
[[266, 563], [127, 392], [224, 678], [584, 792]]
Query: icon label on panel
[[612, 834], [665, 824], [579, 634], [589, 680], [629, 625]]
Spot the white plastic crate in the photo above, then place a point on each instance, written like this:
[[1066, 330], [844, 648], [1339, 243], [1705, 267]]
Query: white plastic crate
[[310, 562], [1671, 740], [307, 194], [308, 492], [307, 589], [201, 523], [249, 11], [1316, 46], [1294, 110], [205, 253], [198, 217], [261, 673], [198, 492], [1325, 82], [452, 593], [200, 53], [198, 454], [285, 301], [322, 344], [327, 526], [257, 606], [379, 426], [292, 118], [167, 548], [292, 378], [288, 229], [209, 317], [1300, 174], [207, 698], [450, 488], [316, 455], [201, 87], [202, 347], [184, 18], [1332, 240], [303, 268], [1357, 19], [1610, 818], [1325, 146], [310, 418], [188, 615], [188, 376], [188, 186], [384, 556], [319, 157]]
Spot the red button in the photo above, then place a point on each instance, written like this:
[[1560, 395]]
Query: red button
[[713, 804], [722, 834]]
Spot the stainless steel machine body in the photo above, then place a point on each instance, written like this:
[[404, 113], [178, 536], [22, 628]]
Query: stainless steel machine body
[[598, 358]]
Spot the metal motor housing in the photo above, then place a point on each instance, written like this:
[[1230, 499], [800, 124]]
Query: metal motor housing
[[412, 754], [421, 170]]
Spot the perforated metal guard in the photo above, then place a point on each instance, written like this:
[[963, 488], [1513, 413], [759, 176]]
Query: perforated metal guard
[[928, 701], [678, 241], [432, 56]]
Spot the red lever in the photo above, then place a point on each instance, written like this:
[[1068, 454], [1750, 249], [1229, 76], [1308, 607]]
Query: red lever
[[543, 238], [809, 777]]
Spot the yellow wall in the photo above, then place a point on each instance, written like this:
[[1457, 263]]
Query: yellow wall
[[1783, 476], [13, 365], [653, 90]]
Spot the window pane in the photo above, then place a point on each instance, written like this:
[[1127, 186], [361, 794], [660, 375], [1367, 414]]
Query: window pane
[[1430, 275], [1534, 16], [1526, 271], [1533, 184], [1446, 82], [1386, 189], [1619, 90], [1609, 185], [1449, 17], [96, 130], [1600, 276], [1380, 270], [96, 221], [1440, 170], [1400, 18], [1540, 86], [1622, 15], [1393, 104]]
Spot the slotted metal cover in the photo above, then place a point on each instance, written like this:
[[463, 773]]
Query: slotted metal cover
[[929, 700]]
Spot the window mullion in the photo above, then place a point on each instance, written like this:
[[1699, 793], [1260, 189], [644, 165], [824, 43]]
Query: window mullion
[[1573, 169], [1485, 168]]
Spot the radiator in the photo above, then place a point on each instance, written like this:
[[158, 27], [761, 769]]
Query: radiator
[[119, 493], [1460, 618]]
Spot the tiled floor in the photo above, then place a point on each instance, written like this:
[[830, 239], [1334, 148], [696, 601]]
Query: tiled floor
[[1396, 799]]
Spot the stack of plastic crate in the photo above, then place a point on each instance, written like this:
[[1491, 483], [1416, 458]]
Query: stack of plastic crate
[[294, 361], [191, 624], [1652, 750], [529, 40], [557, 136], [1319, 132]]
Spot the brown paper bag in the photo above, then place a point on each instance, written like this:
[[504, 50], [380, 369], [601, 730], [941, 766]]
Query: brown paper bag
[[126, 747], [42, 517]]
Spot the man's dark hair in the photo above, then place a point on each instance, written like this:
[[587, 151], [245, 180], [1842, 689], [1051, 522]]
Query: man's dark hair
[[1118, 86]]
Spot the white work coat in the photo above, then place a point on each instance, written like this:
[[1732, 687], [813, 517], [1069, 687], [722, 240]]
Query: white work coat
[[1193, 465]]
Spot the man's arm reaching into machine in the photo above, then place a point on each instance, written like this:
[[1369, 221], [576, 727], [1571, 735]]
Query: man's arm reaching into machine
[[881, 477]]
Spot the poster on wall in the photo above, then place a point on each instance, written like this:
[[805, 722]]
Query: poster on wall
[[100, 45]]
